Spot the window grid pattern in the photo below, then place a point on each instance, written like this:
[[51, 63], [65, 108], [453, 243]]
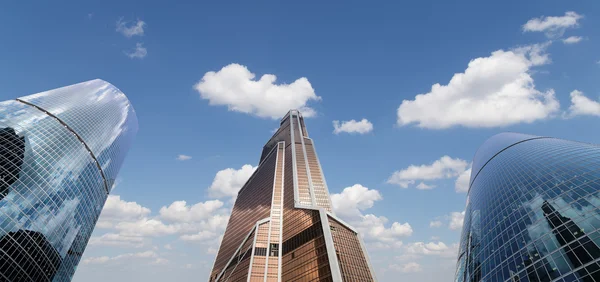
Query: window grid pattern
[[306, 259], [321, 194], [252, 204], [237, 269], [303, 188], [276, 216], [55, 191], [304, 195], [103, 117], [260, 254], [352, 260], [534, 215]]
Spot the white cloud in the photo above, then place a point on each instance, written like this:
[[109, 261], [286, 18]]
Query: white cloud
[[160, 261], [445, 167], [129, 30], [353, 199], [553, 26], [228, 182], [117, 210], [582, 105], [211, 251], [183, 157], [493, 91], [432, 248], [179, 211], [105, 259], [349, 204], [372, 228], [96, 260], [234, 86], [151, 227], [423, 186], [168, 247], [572, 40], [407, 267], [200, 236], [456, 220], [462, 182], [119, 240], [352, 126], [138, 53], [435, 224]]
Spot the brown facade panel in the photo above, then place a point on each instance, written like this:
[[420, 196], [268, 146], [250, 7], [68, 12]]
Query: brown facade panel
[[307, 263], [237, 268], [302, 176], [321, 194], [260, 252], [294, 220], [252, 204], [353, 262]]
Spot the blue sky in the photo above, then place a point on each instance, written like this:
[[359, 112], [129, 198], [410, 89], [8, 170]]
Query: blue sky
[[363, 59]]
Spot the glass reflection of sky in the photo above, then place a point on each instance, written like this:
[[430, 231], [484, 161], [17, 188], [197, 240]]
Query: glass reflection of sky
[[60, 191], [506, 233]]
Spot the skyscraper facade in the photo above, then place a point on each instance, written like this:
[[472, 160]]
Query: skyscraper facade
[[282, 227], [533, 211], [60, 152]]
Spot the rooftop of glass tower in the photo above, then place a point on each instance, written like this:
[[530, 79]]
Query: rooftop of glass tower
[[493, 146]]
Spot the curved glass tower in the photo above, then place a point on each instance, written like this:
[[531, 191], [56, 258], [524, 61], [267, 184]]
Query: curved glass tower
[[60, 152], [532, 211]]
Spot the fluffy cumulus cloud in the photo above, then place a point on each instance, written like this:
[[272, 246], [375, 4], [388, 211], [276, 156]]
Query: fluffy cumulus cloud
[[493, 91], [351, 126], [183, 157], [126, 256], [179, 211], [118, 240], [572, 39], [445, 167], [132, 225], [228, 182], [139, 52], [129, 29], [432, 249], [553, 26], [435, 224], [373, 227], [200, 236], [117, 210], [453, 220], [461, 185], [235, 86], [353, 199], [582, 105], [349, 205], [423, 186], [456, 220], [409, 267]]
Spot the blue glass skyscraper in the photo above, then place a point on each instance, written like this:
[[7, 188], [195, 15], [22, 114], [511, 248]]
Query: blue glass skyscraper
[[60, 152], [533, 211]]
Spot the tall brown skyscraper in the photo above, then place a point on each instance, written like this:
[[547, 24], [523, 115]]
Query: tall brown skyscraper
[[282, 227]]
